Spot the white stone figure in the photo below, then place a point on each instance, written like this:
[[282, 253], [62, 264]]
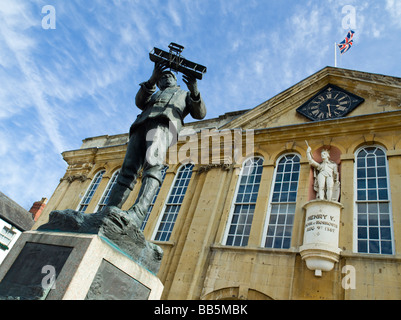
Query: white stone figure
[[326, 184]]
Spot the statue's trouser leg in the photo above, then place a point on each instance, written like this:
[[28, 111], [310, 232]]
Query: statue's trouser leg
[[159, 139], [118, 195], [329, 192], [148, 190], [133, 161], [147, 148], [321, 182]]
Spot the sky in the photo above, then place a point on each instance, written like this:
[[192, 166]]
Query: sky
[[72, 72]]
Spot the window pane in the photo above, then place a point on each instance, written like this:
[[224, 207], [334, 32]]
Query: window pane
[[385, 220], [362, 246], [386, 247], [371, 162], [373, 233], [362, 233], [381, 171], [383, 194], [361, 195], [174, 202], [279, 229], [105, 198], [372, 194], [381, 161], [382, 183], [373, 208], [245, 200], [361, 173], [91, 191], [362, 208], [361, 183], [362, 220], [374, 247], [385, 233]]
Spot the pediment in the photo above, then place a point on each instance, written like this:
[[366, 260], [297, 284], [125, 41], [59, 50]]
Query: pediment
[[380, 93]]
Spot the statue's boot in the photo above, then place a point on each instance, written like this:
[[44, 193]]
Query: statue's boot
[[148, 190], [118, 195]]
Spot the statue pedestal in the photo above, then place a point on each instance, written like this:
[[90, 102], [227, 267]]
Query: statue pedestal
[[320, 246], [73, 266]]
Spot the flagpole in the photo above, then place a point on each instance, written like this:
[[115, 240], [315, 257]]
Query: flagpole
[[335, 54]]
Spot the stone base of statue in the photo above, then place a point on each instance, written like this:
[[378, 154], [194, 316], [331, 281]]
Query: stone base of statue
[[118, 226], [99, 256], [73, 266], [320, 246]]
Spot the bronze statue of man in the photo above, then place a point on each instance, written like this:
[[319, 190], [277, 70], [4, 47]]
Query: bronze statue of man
[[155, 129]]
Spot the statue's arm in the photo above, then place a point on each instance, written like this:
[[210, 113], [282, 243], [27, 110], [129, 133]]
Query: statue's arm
[[148, 88], [312, 162], [196, 107], [144, 94], [195, 103]]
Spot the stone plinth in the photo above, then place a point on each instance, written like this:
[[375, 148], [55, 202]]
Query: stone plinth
[[73, 266], [122, 228], [320, 246]]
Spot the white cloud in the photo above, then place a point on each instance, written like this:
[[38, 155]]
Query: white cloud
[[394, 8]]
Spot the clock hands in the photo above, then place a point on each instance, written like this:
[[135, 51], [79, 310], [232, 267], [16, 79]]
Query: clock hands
[[328, 107]]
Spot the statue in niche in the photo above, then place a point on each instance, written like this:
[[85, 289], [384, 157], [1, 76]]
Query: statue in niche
[[326, 176]]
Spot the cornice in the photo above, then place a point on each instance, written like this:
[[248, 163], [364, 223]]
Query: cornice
[[361, 124]]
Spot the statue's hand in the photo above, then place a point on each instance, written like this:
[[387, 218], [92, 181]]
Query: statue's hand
[[309, 150], [158, 70], [192, 85]]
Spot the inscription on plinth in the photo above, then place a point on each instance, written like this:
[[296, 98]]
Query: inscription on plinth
[[24, 280], [320, 246], [111, 283]]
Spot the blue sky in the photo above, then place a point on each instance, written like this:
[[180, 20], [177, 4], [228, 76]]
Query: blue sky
[[60, 86]]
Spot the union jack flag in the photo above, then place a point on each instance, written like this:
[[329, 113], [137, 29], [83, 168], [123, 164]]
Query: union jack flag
[[346, 44]]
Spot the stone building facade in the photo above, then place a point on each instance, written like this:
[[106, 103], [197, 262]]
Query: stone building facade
[[231, 221]]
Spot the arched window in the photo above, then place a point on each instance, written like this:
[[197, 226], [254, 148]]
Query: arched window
[[374, 232], [153, 200], [241, 216], [173, 204], [280, 216], [105, 198], [91, 191]]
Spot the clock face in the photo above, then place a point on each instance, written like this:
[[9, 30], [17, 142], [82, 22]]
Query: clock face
[[330, 103]]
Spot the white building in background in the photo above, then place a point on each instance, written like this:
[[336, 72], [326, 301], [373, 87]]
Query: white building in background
[[13, 221]]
